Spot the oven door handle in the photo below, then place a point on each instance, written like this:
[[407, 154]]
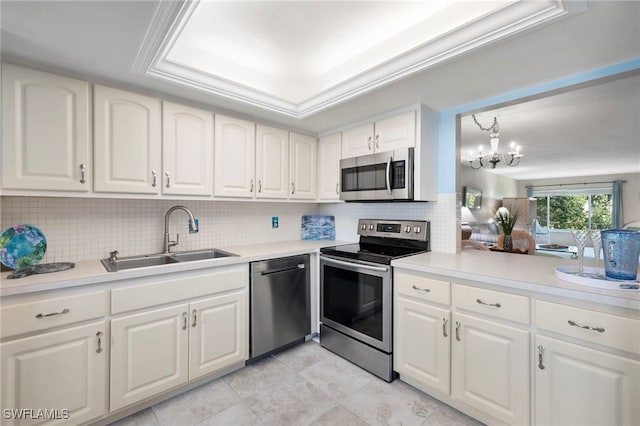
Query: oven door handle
[[356, 265], [388, 175]]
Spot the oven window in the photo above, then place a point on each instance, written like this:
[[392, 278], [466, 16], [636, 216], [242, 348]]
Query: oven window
[[354, 300]]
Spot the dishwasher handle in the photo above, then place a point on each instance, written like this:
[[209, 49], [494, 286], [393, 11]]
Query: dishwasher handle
[[281, 270]]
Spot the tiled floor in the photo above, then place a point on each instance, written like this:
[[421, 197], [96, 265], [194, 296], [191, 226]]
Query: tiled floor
[[305, 385]]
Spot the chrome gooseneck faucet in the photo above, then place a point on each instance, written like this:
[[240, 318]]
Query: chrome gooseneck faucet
[[193, 227]]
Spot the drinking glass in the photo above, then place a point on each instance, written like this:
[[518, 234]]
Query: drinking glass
[[596, 241], [580, 236]]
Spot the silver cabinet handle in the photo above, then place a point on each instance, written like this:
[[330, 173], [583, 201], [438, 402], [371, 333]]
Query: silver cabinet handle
[[496, 305], [259, 185], [337, 189], [426, 290], [458, 331], [53, 314], [155, 178], [540, 353], [83, 169], [586, 327], [168, 179], [184, 320], [369, 143], [444, 327], [251, 184], [195, 317], [99, 337], [377, 141], [293, 188]]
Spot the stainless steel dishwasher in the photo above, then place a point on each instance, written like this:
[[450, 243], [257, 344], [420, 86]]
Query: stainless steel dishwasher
[[280, 303]]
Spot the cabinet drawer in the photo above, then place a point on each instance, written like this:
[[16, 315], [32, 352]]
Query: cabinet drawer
[[494, 303], [185, 287], [421, 287], [605, 329], [51, 312]]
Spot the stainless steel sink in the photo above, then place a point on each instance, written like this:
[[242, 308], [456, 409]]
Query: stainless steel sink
[[133, 262], [188, 256]]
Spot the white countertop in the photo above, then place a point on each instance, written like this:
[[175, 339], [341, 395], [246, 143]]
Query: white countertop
[[529, 273], [516, 271], [92, 271]]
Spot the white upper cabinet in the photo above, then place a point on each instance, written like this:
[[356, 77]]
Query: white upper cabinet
[[395, 132], [357, 141], [383, 135], [127, 142], [272, 162], [235, 148], [187, 150], [46, 131], [303, 166], [329, 150]]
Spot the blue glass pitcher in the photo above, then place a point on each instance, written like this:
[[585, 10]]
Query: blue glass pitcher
[[621, 251]]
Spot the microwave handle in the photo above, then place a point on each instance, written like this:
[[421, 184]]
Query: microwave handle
[[388, 175]]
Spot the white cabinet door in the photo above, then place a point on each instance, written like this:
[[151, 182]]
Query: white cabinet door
[[422, 343], [272, 162], [303, 167], [357, 141], [395, 132], [491, 368], [329, 151], [235, 148], [149, 354], [187, 150], [62, 370], [219, 333], [128, 146], [575, 385], [46, 131]]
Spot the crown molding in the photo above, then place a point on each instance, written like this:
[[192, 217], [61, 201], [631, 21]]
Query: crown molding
[[171, 17]]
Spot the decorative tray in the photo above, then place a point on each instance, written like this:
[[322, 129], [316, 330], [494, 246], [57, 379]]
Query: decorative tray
[[553, 246], [594, 278]]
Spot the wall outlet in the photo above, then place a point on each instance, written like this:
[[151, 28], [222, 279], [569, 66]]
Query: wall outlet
[[274, 222]]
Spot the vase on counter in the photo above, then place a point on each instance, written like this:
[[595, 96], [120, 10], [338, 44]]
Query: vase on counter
[[507, 244]]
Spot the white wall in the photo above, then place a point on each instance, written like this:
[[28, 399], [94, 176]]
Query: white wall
[[494, 187]]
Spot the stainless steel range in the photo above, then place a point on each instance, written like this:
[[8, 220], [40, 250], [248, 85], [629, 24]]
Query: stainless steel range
[[356, 289]]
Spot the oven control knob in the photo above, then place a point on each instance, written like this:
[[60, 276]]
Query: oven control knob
[[417, 229], [364, 226], [371, 227], [407, 229]]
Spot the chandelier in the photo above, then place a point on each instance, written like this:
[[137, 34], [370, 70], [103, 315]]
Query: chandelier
[[510, 158]]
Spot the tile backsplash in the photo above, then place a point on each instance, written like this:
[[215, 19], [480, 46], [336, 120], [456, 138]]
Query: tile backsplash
[[87, 228]]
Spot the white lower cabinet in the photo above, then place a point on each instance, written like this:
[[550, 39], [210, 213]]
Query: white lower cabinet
[[490, 368], [219, 333], [422, 343], [57, 375], [149, 354], [576, 385], [159, 349]]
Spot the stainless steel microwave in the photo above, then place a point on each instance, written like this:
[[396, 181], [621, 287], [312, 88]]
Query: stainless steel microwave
[[386, 176]]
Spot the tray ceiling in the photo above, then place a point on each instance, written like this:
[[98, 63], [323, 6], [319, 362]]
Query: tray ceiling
[[298, 58]]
